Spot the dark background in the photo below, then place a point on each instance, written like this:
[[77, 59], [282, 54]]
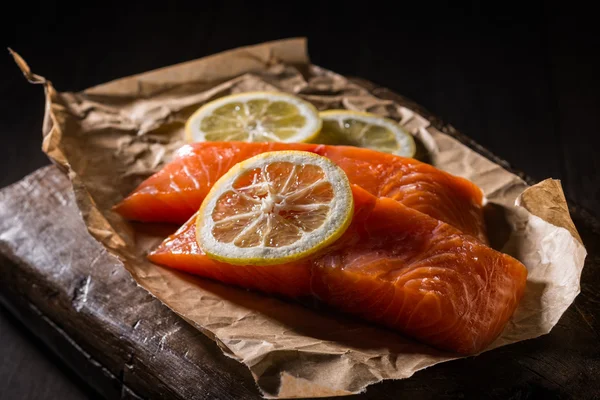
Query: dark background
[[520, 79]]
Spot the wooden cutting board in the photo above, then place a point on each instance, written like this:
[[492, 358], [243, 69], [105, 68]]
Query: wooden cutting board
[[83, 304]]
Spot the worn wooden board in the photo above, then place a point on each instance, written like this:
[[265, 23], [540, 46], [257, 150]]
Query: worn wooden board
[[85, 306], [68, 280]]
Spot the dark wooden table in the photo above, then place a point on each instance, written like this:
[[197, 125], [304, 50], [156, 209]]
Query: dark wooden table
[[522, 82]]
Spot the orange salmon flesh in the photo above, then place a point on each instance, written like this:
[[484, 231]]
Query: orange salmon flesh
[[395, 265], [175, 193]]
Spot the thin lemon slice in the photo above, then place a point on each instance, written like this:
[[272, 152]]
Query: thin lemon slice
[[353, 128], [274, 208], [254, 117]]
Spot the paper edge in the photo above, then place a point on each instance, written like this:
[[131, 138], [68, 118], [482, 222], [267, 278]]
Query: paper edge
[[551, 191]]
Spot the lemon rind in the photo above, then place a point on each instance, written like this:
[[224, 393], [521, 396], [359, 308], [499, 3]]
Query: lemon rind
[[408, 146], [193, 133], [340, 215]]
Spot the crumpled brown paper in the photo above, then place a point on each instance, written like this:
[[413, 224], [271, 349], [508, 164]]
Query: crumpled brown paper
[[110, 137]]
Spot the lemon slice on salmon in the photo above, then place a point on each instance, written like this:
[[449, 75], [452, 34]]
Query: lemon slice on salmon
[[361, 129], [254, 117], [274, 208]]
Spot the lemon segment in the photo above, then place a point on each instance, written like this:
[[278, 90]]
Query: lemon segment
[[360, 129], [275, 208], [254, 117]]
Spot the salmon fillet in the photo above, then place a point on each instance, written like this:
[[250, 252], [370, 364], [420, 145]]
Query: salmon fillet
[[175, 193], [394, 266]]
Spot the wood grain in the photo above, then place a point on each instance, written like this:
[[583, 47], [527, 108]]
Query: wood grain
[[90, 299]]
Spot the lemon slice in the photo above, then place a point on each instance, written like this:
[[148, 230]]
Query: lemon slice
[[254, 117], [274, 208], [361, 129]]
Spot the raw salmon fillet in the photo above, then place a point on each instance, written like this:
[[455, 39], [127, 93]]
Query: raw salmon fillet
[[175, 193], [394, 266]]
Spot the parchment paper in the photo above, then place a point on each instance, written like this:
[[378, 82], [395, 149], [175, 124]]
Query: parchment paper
[[110, 137]]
